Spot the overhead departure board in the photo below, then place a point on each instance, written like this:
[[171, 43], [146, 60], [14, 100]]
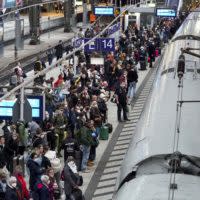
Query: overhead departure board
[[104, 10], [164, 12]]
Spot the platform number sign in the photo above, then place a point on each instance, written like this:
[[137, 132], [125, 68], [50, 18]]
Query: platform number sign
[[93, 46], [100, 44], [107, 44]]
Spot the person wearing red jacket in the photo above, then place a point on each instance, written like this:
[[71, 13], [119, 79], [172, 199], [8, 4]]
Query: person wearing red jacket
[[21, 183], [59, 81]]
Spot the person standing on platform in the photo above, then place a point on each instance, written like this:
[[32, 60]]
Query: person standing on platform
[[50, 53], [11, 189], [132, 78], [151, 52], [59, 50], [59, 122], [121, 100]]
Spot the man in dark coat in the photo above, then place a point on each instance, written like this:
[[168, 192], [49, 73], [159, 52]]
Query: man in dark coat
[[59, 50], [70, 145], [69, 182], [11, 148], [35, 170], [121, 100], [2, 151], [151, 52], [41, 189]]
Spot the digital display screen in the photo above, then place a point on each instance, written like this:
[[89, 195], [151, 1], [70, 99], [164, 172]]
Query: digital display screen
[[36, 102], [7, 103], [8, 112], [9, 3], [35, 112], [163, 12], [104, 10]]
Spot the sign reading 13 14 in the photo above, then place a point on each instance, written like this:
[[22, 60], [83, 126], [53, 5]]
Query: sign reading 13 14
[[107, 44]]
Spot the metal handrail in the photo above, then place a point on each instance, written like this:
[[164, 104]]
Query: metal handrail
[[22, 85]]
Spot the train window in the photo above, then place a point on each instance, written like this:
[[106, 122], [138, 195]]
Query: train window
[[170, 70]]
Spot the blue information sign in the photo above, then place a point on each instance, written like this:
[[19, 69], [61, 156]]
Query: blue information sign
[[77, 43], [107, 44], [114, 28], [93, 46], [100, 44]]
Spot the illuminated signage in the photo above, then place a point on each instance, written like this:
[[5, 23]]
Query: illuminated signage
[[10, 3], [104, 10], [164, 12], [36, 102]]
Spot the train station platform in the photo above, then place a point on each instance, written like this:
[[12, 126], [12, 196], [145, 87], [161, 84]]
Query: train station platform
[[48, 21], [52, 38], [112, 118]]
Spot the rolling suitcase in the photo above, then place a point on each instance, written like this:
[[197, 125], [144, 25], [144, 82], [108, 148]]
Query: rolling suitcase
[[156, 53], [103, 133], [143, 65]]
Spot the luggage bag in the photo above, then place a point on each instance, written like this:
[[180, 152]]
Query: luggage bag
[[103, 133]]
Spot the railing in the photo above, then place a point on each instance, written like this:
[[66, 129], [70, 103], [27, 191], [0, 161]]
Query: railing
[[46, 70]]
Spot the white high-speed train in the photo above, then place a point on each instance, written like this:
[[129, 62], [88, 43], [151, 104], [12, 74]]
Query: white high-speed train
[[163, 159]]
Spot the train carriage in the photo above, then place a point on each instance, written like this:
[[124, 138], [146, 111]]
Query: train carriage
[[163, 159]]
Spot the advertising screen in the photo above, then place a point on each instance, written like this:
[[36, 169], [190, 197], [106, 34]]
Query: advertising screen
[[104, 10], [162, 12]]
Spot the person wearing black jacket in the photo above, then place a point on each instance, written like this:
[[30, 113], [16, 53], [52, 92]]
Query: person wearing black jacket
[[151, 52], [70, 145], [2, 152], [11, 148], [59, 50], [132, 79], [35, 170], [42, 189], [121, 100], [11, 190]]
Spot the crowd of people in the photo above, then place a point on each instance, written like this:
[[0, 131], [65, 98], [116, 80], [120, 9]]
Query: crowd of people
[[76, 114]]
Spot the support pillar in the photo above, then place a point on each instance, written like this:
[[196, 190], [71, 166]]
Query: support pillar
[[34, 19], [67, 15]]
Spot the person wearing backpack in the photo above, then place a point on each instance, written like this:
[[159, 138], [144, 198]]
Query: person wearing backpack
[[102, 107], [69, 145], [69, 179]]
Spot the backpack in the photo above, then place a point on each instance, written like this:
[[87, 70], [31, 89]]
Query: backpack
[[102, 106], [78, 179]]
